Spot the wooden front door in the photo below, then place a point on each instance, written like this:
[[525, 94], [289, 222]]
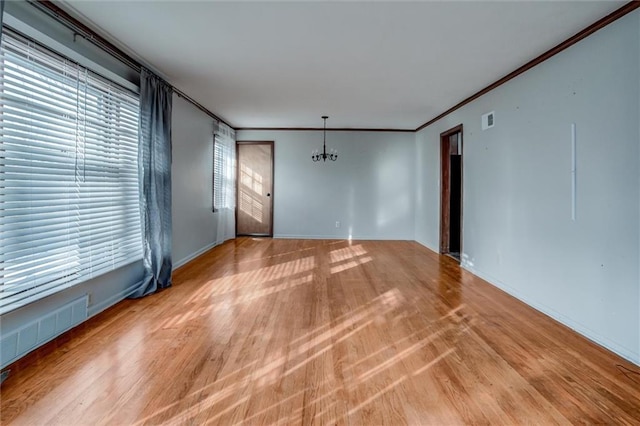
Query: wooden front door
[[254, 211]]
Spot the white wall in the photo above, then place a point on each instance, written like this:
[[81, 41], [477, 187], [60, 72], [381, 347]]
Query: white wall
[[194, 224], [518, 232], [369, 189]]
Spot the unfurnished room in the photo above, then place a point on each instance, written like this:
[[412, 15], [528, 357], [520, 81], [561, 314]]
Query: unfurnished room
[[319, 212]]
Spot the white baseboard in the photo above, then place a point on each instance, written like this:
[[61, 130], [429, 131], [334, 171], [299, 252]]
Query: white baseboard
[[105, 304], [422, 243], [338, 237], [192, 256], [574, 325]]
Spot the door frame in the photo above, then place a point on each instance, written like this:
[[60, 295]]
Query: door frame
[[238, 143], [445, 187]]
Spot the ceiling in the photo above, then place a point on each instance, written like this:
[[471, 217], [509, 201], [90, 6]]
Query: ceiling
[[365, 64]]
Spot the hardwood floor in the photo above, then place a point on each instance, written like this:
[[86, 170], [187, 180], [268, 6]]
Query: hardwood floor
[[261, 331]]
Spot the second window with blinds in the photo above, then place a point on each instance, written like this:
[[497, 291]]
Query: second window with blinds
[[223, 172]]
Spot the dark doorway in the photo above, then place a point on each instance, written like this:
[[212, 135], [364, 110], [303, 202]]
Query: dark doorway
[[451, 192]]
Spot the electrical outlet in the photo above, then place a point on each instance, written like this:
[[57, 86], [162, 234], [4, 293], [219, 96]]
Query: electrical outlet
[[337, 224]]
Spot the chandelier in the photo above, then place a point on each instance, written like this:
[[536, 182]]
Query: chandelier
[[331, 155]]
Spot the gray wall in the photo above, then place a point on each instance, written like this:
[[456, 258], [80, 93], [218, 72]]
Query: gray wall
[[194, 224], [369, 189], [518, 232]]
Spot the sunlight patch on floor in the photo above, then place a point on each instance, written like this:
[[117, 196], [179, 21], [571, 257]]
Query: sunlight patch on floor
[[253, 278], [350, 264], [339, 255]]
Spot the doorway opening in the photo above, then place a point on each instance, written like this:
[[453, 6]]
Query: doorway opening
[[254, 194], [451, 192]]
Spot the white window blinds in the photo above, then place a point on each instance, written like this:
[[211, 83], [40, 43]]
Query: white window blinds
[[69, 204], [224, 171], [218, 173]]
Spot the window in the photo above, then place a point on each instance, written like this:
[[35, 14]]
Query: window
[[69, 198], [218, 174], [224, 175]]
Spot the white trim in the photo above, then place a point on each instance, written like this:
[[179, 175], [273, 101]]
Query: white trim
[[422, 243], [338, 237], [116, 298], [626, 353], [192, 256], [575, 326]]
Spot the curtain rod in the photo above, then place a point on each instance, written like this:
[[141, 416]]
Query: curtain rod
[[90, 35]]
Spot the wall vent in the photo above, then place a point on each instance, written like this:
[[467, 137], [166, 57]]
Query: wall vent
[[38, 332], [488, 120]]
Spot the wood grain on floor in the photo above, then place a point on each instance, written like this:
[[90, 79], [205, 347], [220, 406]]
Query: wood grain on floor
[[262, 331]]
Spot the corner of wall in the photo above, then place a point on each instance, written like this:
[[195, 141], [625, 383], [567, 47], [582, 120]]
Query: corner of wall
[[637, 13], [517, 222]]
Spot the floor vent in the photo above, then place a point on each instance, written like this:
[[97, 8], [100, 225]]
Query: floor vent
[[41, 330]]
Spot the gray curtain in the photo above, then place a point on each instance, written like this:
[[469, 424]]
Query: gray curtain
[[154, 158]]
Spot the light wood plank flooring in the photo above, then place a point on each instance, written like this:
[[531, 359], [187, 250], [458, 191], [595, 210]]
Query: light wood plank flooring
[[261, 331]]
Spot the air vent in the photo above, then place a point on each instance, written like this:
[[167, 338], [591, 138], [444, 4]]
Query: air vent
[[39, 331], [488, 120]]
